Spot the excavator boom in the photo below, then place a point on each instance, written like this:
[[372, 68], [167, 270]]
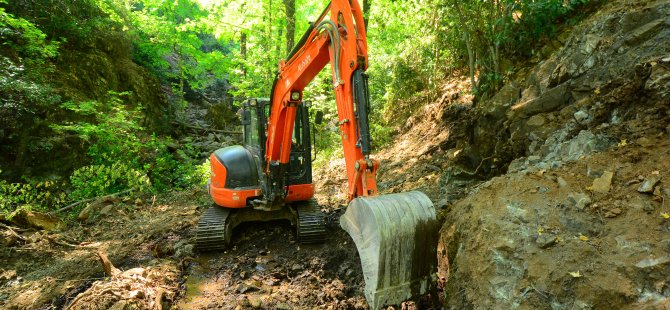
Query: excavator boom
[[341, 41]]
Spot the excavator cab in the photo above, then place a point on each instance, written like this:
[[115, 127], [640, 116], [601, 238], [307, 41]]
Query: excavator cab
[[255, 113]]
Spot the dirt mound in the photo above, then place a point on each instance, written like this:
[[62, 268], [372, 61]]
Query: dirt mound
[[591, 234]]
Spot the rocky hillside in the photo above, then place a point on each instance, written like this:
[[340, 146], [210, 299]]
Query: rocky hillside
[[85, 62], [580, 220]]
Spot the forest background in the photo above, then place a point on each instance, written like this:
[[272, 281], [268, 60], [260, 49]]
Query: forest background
[[96, 95]]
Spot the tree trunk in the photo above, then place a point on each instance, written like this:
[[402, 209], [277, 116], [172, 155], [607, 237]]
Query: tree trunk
[[269, 65], [243, 52], [243, 43], [176, 49], [468, 44], [436, 44], [278, 54], [471, 60], [290, 24], [24, 139], [366, 12]]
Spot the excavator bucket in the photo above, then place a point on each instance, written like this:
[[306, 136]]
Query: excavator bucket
[[396, 237]]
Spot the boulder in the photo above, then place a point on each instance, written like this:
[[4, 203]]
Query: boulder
[[546, 102], [647, 186], [603, 183], [38, 220], [579, 200]]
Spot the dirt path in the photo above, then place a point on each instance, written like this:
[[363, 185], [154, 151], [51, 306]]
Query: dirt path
[[265, 267]]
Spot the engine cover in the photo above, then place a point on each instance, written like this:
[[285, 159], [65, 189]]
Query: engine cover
[[234, 177]]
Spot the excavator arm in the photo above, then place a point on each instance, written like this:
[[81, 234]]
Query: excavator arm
[[341, 41], [395, 234]]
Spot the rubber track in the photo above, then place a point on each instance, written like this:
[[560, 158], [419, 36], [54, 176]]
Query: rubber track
[[211, 232], [311, 223]]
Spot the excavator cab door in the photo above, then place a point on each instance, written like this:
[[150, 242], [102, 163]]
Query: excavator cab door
[[300, 162], [251, 124]]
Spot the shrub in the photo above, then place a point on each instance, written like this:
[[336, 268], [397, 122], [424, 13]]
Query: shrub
[[38, 195], [98, 180], [111, 129], [121, 150], [171, 170]]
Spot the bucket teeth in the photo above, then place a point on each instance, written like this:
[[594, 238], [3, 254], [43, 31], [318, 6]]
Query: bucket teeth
[[212, 233], [311, 224], [396, 238]]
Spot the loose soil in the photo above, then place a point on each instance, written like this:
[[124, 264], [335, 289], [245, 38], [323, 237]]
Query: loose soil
[[264, 267]]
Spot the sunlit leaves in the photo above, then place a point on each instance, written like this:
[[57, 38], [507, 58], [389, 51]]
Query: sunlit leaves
[[25, 37]]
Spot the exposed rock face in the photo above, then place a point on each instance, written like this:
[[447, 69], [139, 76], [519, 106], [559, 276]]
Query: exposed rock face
[[580, 220], [89, 72], [610, 66], [84, 70], [526, 241]]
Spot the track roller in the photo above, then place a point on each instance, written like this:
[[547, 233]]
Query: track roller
[[311, 227], [213, 232]]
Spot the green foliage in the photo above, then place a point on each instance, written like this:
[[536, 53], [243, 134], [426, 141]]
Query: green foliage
[[37, 195], [121, 153], [26, 97], [176, 40], [167, 170], [117, 143], [539, 18], [23, 93], [25, 37], [112, 129], [382, 134], [98, 180], [73, 23], [482, 33]]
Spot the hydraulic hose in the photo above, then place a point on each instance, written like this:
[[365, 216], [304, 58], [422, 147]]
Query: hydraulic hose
[[331, 29]]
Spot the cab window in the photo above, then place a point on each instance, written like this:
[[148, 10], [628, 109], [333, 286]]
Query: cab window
[[251, 129]]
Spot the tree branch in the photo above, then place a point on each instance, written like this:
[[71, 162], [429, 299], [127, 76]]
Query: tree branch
[[70, 206]]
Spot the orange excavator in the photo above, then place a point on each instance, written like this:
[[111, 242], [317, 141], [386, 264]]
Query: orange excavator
[[270, 176]]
